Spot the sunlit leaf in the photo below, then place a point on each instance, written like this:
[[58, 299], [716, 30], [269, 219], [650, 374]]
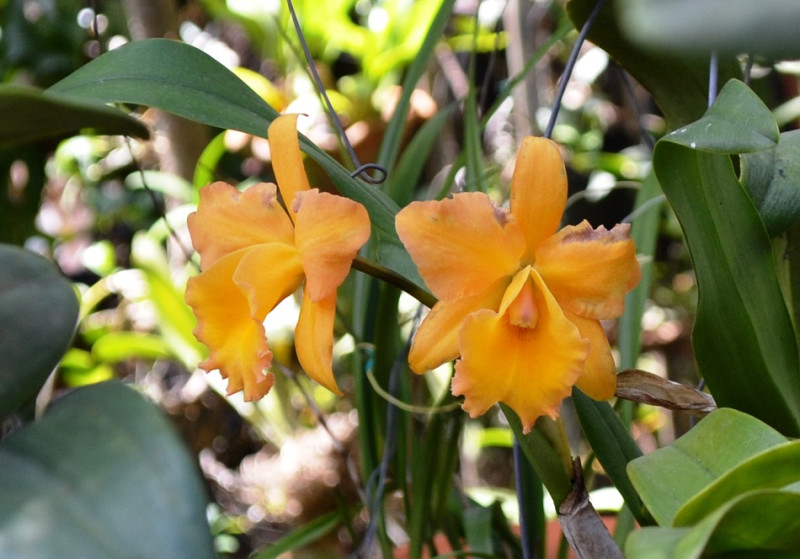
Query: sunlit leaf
[[757, 525], [101, 475], [671, 476], [38, 313]]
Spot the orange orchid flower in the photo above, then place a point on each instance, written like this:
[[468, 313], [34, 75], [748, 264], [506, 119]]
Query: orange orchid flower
[[519, 301], [254, 252]]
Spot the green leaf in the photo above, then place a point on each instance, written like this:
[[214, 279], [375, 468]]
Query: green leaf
[[172, 76], [679, 84], [767, 27], [743, 335], [757, 525], [118, 346], [613, 445], [772, 177], [737, 122], [185, 81], [29, 115], [38, 313], [101, 475], [771, 469], [303, 536], [669, 477]]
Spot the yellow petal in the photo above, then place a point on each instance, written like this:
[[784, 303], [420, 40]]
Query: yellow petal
[[538, 191], [237, 344], [460, 245], [314, 340], [268, 274], [599, 377], [287, 160], [530, 369], [436, 340], [329, 230], [227, 220], [590, 270]]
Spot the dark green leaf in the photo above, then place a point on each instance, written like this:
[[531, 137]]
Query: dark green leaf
[[743, 335], [772, 177], [767, 27], [679, 84], [101, 475], [737, 122], [185, 81], [29, 115], [669, 477], [613, 445], [38, 313]]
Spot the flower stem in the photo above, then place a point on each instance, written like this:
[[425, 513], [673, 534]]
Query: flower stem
[[372, 268]]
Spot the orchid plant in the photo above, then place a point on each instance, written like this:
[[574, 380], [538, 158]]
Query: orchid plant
[[513, 304]]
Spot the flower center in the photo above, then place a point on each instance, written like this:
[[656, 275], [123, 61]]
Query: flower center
[[522, 311]]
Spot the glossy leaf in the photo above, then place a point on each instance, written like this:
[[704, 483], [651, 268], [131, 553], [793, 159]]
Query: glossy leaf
[[768, 27], [669, 477], [771, 469], [679, 84], [757, 525], [153, 72], [29, 115], [772, 177], [38, 313], [101, 475], [743, 336]]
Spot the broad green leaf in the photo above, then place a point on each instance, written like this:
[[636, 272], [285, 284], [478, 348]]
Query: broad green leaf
[[679, 84], [172, 76], [185, 81], [757, 525], [772, 177], [743, 336], [767, 27], [771, 469], [669, 477], [613, 445], [737, 122], [38, 314], [29, 115], [101, 475]]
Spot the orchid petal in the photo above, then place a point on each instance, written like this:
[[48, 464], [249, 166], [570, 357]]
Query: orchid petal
[[237, 343], [460, 245], [329, 231], [436, 340], [538, 191], [530, 369], [227, 220], [590, 270], [266, 275], [287, 160], [599, 377], [314, 339]]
